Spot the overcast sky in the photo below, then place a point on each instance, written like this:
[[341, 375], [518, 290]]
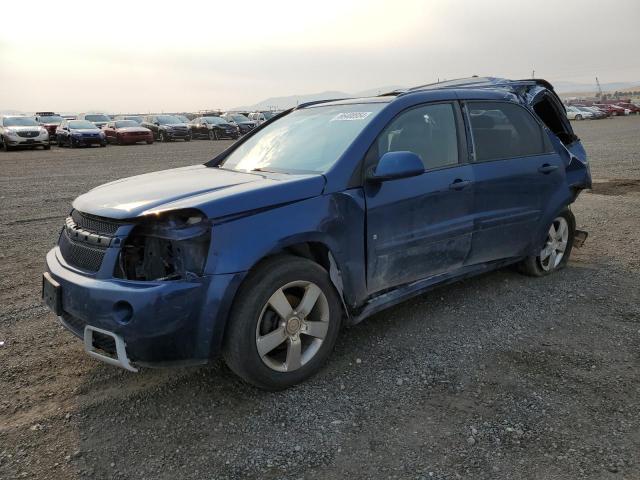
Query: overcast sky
[[147, 56]]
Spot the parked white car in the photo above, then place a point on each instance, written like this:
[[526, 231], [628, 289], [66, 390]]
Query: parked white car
[[261, 117], [18, 131], [574, 113]]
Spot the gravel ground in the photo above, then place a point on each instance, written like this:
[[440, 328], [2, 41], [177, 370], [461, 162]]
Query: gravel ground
[[501, 376]]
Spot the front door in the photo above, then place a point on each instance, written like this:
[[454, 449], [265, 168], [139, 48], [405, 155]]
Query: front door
[[421, 226]]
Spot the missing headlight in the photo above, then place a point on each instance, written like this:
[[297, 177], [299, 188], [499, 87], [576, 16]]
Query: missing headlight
[[170, 246]]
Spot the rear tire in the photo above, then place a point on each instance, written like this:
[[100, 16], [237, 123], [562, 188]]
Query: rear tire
[[559, 243], [300, 337], [578, 117]]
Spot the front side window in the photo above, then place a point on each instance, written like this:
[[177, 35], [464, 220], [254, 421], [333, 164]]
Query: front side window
[[428, 131], [504, 130], [310, 139]]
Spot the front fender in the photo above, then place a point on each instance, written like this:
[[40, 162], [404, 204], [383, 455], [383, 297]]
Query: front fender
[[334, 220]]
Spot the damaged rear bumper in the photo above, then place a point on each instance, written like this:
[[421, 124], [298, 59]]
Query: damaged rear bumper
[[159, 323]]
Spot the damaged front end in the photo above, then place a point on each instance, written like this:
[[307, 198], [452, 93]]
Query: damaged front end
[[166, 246]]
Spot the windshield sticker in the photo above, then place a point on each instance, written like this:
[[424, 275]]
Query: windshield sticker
[[348, 116]]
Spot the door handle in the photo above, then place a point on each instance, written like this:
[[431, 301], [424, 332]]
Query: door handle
[[459, 184], [546, 168]]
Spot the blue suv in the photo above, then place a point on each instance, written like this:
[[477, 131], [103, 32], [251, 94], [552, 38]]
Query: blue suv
[[319, 218]]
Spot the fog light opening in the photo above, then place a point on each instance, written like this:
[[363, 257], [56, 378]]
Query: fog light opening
[[122, 311]]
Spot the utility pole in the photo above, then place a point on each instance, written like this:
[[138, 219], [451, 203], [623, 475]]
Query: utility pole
[[533, 74], [598, 89]]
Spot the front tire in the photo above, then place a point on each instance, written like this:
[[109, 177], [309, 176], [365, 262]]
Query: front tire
[[213, 135], [283, 324], [555, 253], [162, 137], [578, 117]]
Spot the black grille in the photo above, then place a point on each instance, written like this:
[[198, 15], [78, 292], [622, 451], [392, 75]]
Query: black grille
[[28, 134], [95, 224], [79, 254]]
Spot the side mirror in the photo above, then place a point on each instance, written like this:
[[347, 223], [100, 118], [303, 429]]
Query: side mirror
[[394, 165]]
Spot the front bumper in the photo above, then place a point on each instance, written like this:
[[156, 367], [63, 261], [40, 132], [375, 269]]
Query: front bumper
[[40, 141], [172, 134], [86, 141], [160, 323], [131, 139]]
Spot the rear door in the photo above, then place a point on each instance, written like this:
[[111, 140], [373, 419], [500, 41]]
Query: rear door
[[518, 176], [420, 226]]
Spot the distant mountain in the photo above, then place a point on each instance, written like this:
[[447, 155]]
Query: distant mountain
[[563, 87], [293, 100]]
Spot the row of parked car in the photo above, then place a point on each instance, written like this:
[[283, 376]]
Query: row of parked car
[[594, 111], [88, 129]]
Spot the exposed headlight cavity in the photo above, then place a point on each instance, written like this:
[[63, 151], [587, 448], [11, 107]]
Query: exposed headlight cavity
[[168, 246]]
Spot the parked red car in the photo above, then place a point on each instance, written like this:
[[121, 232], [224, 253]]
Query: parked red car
[[127, 132], [610, 109], [631, 106], [50, 121]]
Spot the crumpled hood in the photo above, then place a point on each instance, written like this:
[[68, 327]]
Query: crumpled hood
[[216, 192]]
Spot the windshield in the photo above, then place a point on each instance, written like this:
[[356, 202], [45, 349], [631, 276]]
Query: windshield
[[215, 120], [135, 119], [182, 118], [51, 119], [307, 140], [239, 118], [97, 118], [81, 124], [19, 122], [268, 115], [168, 120], [126, 124]]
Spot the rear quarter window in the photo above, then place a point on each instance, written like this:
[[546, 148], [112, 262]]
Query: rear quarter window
[[504, 130]]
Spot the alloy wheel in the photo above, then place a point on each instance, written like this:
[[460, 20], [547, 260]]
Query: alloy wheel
[[292, 326], [557, 240]]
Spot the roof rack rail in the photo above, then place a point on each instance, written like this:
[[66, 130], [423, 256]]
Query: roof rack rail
[[315, 102]]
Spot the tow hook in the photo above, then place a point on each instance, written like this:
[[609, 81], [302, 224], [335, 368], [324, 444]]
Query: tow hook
[[579, 238]]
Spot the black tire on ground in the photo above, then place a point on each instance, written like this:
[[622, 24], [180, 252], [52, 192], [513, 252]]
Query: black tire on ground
[[71, 145], [213, 135], [240, 349], [162, 137], [578, 117], [5, 145], [187, 139], [47, 147], [532, 265], [149, 142]]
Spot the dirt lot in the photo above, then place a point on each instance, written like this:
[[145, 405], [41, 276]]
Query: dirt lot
[[501, 376]]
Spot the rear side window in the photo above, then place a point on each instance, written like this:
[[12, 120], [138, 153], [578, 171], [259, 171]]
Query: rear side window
[[428, 131], [504, 130]]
